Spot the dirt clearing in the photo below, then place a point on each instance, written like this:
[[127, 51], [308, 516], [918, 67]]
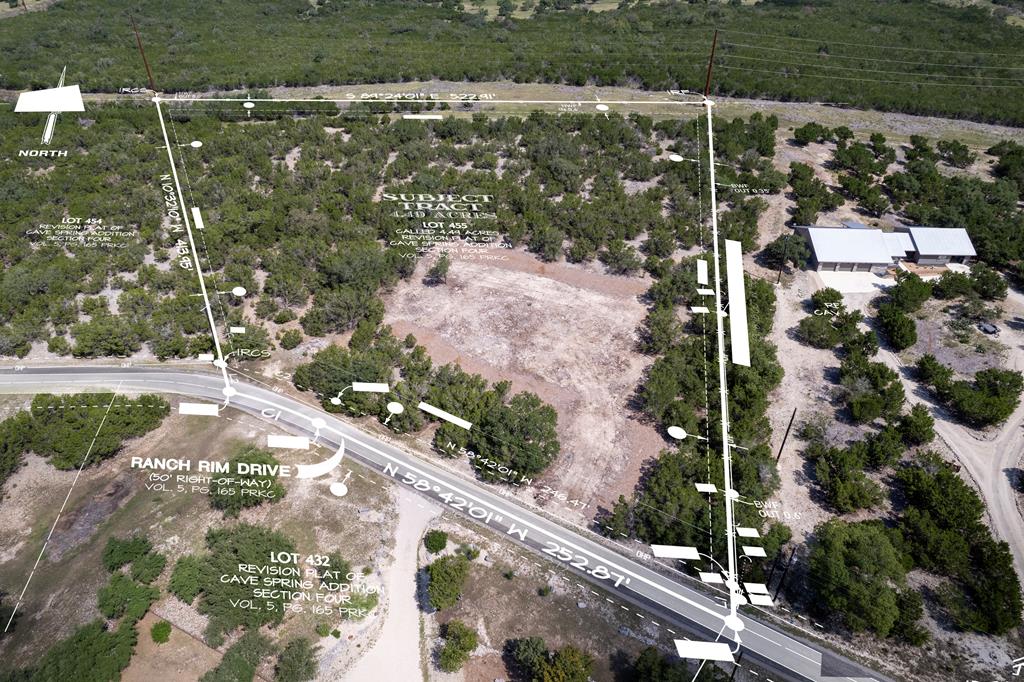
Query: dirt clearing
[[566, 333]]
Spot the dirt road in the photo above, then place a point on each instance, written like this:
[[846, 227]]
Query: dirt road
[[396, 653], [989, 457]]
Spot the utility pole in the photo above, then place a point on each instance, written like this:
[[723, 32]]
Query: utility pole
[[785, 255], [711, 61], [771, 574], [782, 578], [145, 61], [784, 438]]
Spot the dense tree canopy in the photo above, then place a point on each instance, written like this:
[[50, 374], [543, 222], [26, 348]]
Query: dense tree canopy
[[227, 548], [944, 531], [856, 574], [989, 399], [447, 576], [828, 59]]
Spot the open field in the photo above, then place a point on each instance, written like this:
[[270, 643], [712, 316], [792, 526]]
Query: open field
[[548, 328]]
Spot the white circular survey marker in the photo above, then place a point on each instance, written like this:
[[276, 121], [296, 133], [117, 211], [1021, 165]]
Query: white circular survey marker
[[675, 157], [335, 400], [195, 143], [339, 489], [248, 105], [318, 423], [220, 363], [602, 107], [239, 291], [396, 408], [734, 623], [229, 391], [677, 432]]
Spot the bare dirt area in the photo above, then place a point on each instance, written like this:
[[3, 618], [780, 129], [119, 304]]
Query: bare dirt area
[[182, 658], [805, 388], [501, 601], [563, 332]]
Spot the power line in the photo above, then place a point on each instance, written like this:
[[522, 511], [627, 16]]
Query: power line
[[874, 59], [867, 80], [872, 46], [854, 68]]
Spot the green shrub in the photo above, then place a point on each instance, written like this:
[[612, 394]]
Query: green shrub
[[865, 598], [435, 541], [812, 132], [232, 497], [122, 596], [818, 331], [185, 577], [241, 660], [284, 316], [291, 339], [160, 632], [447, 577], [910, 292], [987, 282], [148, 568], [952, 285], [459, 642], [58, 345], [788, 249], [872, 390], [899, 329], [120, 552], [296, 662], [917, 427]]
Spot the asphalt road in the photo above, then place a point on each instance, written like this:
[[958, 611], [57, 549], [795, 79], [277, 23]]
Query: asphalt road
[[788, 658]]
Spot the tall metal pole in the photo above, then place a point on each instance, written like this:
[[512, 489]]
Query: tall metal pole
[[145, 61], [784, 438], [711, 61]]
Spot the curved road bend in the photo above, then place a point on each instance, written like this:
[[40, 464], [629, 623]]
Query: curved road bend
[[788, 658]]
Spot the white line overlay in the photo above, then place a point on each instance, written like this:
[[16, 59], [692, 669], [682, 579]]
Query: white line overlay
[[447, 416], [200, 409], [739, 339], [369, 387], [192, 245], [67, 497], [275, 440]]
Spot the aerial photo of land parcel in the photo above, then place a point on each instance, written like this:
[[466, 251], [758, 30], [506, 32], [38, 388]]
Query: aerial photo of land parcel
[[522, 340]]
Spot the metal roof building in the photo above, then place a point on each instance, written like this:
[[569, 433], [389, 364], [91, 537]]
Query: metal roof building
[[900, 244], [939, 245], [863, 248], [855, 250]]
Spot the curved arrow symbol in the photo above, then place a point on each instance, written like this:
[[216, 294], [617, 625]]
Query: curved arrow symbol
[[324, 467]]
